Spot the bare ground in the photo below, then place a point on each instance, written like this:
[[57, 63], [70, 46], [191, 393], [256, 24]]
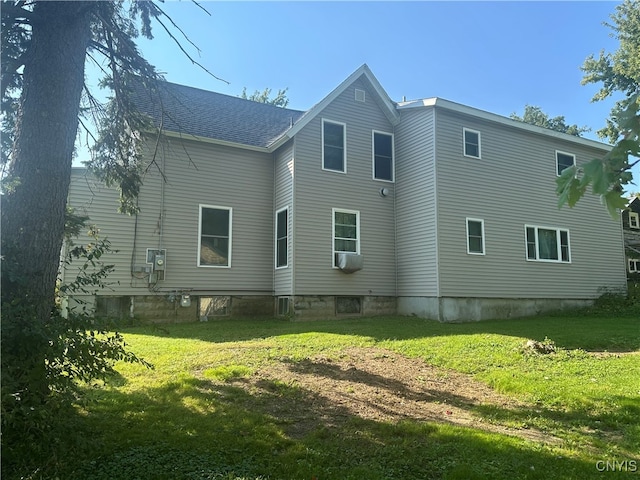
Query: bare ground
[[376, 384]]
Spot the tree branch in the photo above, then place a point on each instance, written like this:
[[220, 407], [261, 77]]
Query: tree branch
[[177, 42]]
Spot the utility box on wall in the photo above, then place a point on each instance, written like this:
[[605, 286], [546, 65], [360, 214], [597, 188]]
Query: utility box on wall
[[158, 260]]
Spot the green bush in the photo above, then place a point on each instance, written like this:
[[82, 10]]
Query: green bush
[[619, 302], [44, 362]]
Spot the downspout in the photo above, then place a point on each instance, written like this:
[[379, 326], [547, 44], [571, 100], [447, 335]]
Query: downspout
[[395, 218], [162, 206], [436, 212], [274, 233], [293, 224]]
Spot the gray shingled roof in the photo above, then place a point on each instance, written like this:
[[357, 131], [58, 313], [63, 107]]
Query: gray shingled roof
[[192, 111]]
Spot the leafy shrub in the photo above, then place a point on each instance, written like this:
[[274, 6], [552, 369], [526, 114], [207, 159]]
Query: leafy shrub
[[619, 302], [43, 363]]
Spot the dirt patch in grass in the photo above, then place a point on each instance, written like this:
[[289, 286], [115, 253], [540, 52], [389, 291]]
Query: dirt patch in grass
[[374, 384]]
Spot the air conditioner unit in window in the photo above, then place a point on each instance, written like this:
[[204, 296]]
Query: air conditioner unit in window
[[349, 262]]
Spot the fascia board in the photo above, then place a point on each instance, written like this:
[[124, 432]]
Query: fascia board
[[492, 117], [226, 143]]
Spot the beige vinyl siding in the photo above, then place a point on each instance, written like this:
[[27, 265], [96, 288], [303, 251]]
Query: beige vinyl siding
[[416, 204], [206, 174], [318, 191], [284, 175], [197, 174], [513, 184], [91, 198]]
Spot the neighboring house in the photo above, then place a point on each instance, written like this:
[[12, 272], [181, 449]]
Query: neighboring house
[[360, 205], [631, 229]]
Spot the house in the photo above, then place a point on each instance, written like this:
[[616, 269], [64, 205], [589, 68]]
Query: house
[[358, 206], [631, 229]]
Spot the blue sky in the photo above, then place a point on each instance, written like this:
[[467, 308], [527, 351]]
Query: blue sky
[[496, 56]]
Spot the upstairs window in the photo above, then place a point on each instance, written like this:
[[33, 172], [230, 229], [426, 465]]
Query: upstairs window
[[564, 161], [471, 143], [547, 244], [346, 232], [475, 236], [214, 243], [634, 220], [383, 156], [333, 146], [282, 247]]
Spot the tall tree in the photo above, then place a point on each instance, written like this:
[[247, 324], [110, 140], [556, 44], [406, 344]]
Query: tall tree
[[280, 100], [617, 72], [44, 99], [535, 116]]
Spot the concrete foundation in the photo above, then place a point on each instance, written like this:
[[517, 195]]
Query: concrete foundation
[[169, 309], [312, 307], [449, 309]]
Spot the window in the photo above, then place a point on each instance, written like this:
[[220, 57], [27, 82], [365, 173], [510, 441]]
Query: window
[[383, 156], [564, 161], [348, 305], [333, 146], [284, 305], [214, 244], [346, 232], [475, 236], [634, 265], [471, 143], [282, 228], [217, 306], [547, 244], [634, 220]]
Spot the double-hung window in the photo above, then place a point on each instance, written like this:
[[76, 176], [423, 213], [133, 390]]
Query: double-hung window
[[563, 161], [634, 265], [634, 220], [471, 143], [282, 243], [475, 236], [383, 156], [346, 232], [547, 244], [214, 236], [334, 146]]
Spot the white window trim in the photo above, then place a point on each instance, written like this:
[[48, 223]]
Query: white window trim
[[464, 143], [635, 224], [218, 207], [344, 150], [333, 233], [633, 261], [275, 258], [484, 246], [373, 156], [545, 260], [567, 154]]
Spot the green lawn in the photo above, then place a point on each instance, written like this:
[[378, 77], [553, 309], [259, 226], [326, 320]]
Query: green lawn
[[191, 418]]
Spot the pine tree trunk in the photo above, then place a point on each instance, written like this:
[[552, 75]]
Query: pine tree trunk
[[33, 210]]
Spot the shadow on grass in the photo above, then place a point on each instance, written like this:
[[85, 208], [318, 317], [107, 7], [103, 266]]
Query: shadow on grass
[[378, 382], [616, 429], [587, 332], [194, 428]]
